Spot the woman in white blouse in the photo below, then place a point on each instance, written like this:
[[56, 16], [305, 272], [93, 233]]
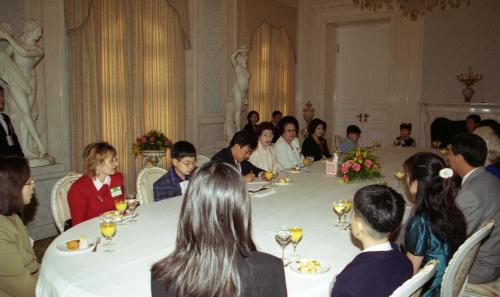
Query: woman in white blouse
[[287, 147], [263, 156]]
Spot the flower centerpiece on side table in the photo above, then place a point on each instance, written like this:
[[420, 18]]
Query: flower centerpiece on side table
[[152, 146], [359, 164]]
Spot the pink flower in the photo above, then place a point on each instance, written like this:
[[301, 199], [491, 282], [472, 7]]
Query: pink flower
[[345, 178], [356, 167], [144, 139], [368, 163], [349, 163], [152, 139], [344, 168]]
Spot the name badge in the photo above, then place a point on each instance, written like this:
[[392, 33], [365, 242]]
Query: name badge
[[116, 191], [10, 141]]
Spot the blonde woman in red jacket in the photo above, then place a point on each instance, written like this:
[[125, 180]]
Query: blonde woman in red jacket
[[101, 185]]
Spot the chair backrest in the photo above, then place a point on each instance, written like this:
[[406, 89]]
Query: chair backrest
[[455, 275], [145, 181], [59, 199], [338, 141], [200, 160], [413, 286]]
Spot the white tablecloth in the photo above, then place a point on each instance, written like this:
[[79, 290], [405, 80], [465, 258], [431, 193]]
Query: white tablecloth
[[126, 272]]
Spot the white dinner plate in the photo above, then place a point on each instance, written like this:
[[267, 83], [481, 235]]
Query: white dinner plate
[[284, 184], [295, 266], [63, 248]]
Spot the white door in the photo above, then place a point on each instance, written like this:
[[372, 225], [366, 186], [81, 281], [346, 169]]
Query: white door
[[362, 81]]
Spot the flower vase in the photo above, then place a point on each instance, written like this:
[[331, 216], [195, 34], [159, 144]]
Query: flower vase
[[152, 156], [468, 92]]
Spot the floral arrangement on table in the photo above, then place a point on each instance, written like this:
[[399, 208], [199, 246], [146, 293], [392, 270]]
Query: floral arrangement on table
[[359, 164], [152, 140]]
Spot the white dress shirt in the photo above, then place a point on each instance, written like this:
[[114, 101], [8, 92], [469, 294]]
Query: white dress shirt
[[99, 184]]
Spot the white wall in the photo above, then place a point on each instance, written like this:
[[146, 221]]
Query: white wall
[[455, 39]]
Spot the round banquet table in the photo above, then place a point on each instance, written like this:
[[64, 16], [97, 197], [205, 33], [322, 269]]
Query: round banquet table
[[307, 202]]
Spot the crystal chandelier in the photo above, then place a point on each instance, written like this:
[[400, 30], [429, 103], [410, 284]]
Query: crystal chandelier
[[409, 8]]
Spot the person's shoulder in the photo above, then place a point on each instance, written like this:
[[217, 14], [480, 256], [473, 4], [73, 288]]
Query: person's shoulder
[[82, 181], [220, 155], [118, 176]]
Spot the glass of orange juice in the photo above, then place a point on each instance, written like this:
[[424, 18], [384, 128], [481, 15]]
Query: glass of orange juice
[[297, 233], [107, 225], [121, 205]]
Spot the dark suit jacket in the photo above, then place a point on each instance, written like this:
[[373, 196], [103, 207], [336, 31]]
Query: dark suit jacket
[[375, 274], [261, 275], [311, 148], [225, 156], [249, 129], [479, 200], [5, 148]]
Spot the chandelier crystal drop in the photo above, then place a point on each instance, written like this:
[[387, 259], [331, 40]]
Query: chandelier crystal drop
[[410, 8]]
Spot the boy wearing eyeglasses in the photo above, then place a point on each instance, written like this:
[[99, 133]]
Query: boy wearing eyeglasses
[[404, 139], [174, 182]]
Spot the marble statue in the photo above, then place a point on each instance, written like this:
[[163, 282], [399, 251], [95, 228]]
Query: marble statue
[[239, 94], [17, 69]]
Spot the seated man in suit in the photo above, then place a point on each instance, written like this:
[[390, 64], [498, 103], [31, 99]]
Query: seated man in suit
[[479, 200], [237, 154], [9, 144], [381, 267]]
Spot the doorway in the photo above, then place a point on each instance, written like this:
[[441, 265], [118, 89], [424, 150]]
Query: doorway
[[362, 81]]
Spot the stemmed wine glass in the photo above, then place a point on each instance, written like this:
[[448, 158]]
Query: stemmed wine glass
[[297, 233], [108, 230], [283, 237], [348, 207], [132, 204], [339, 207], [399, 174]]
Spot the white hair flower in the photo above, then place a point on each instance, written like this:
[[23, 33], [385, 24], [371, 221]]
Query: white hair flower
[[446, 173]]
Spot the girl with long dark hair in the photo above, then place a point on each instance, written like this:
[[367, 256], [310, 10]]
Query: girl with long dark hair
[[437, 227], [215, 254]]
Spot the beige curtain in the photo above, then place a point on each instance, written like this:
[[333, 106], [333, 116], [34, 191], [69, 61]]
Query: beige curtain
[[126, 75], [272, 70]]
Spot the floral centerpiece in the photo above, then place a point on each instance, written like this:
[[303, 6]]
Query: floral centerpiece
[[359, 164], [153, 140]]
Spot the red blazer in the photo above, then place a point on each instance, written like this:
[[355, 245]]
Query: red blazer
[[85, 202]]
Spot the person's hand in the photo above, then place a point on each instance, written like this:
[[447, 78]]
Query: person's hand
[[249, 177]]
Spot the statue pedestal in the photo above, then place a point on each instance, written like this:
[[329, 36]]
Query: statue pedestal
[[38, 214], [39, 162]]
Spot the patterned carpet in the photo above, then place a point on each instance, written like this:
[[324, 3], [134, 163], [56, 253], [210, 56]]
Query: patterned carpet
[[41, 246]]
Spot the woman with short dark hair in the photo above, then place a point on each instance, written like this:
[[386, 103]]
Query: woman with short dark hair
[[18, 264], [214, 253], [263, 155], [96, 191], [287, 147], [437, 227], [315, 144]]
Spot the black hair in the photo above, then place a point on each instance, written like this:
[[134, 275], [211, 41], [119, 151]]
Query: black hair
[[353, 129], [405, 126], [262, 127], [287, 120], [276, 112], [380, 207], [476, 118], [435, 198], [182, 149], [251, 113], [472, 148], [242, 139], [314, 124], [14, 173]]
